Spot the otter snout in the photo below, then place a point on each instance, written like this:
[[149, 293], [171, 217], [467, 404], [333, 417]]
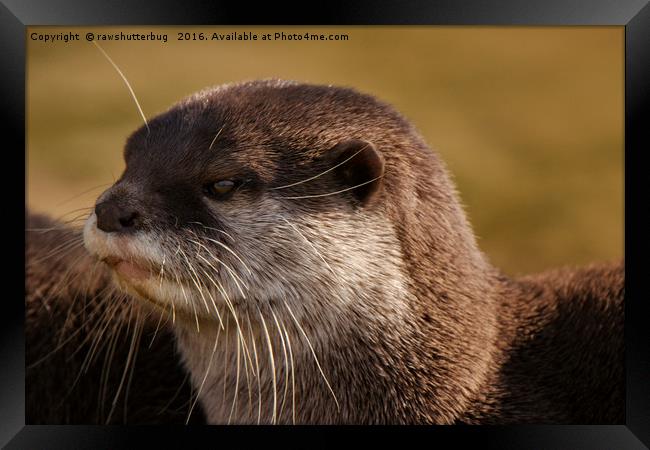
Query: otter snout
[[118, 209], [113, 217]]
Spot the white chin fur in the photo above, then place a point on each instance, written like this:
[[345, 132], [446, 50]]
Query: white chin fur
[[104, 245]]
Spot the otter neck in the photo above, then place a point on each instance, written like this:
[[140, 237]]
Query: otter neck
[[271, 368]]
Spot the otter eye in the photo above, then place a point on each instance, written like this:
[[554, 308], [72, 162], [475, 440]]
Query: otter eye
[[220, 188]]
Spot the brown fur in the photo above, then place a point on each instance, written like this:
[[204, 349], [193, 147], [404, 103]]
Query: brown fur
[[410, 322], [66, 296], [561, 350]]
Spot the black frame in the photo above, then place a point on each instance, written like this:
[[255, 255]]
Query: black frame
[[634, 15]]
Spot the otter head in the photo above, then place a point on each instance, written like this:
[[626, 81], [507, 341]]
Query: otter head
[[258, 195], [308, 204]]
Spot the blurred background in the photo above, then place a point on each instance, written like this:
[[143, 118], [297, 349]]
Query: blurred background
[[528, 120]]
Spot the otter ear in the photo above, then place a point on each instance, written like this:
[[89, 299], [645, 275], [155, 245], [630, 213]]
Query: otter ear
[[359, 167]]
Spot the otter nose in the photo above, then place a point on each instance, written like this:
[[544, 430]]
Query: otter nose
[[112, 217]]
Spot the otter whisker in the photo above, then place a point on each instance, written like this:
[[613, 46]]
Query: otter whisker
[[45, 230], [215, 137], [83, 208], [196, 317], [106, 367], [192, 274], [139, 330], [322, 173], [155, 332], [225, 364], [178, 391], [178, 281], [214, 229], [313, 354], [50, 295], [214, 349], [286, 362], [78, 218], [272, 359], [82, 193], [90, 277], [128, 85], [76, 221], [231, 308], [112, 340], [233, 274], [241, 342], [62, 343], [236, 394], [239, 329], [293, 378], [97, 339], [129, 357], [212, 299], [257, 370], [160, 276], [248, 368], [65, 282], [173, 311], [313, 248], [231, 251], [333, 193], [61, 249], [79, 374]]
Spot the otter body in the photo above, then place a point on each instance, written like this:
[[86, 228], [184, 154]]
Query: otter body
[[561, 350], [320, 269]]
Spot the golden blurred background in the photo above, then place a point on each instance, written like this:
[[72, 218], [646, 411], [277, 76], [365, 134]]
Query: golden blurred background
[[528, 119]]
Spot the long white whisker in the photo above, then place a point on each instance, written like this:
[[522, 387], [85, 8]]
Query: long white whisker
[[234, 400], [198, 393], [215, 137], [286, 361], [82, 193], [313, 354], [313, 247], [139, 331], [240, 334], [272, 359], [64, 248], [333, 193], [257, 370], [232, 272], [155, 332], [322, 173], [293, 378], [192, 274], [225, 364], [230, 250], [162, 273], [129, 358], [232, 310], [178, 281], [128, 85], [214, 229]]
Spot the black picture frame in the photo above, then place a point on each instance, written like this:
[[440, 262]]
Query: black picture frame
[[634, 15]]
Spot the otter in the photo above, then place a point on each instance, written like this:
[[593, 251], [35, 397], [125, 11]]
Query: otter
[[93, 356], [312, 254]]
